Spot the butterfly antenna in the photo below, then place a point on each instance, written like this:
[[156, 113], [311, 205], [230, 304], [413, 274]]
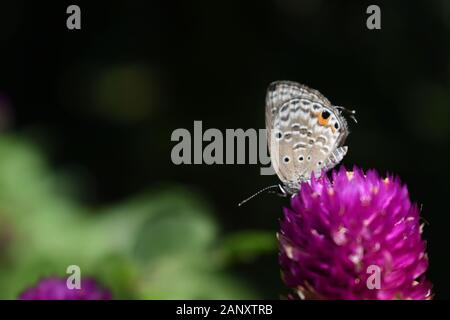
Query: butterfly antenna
[[275, 186], [350, 112], [352, 115]]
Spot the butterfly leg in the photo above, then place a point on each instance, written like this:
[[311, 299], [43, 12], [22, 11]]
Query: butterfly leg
[[281, 191]]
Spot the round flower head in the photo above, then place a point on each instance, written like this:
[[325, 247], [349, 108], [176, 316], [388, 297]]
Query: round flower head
[[356, 236], [55, 288]]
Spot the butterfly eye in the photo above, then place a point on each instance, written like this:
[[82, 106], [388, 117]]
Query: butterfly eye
[[286, 159], [300, 158]]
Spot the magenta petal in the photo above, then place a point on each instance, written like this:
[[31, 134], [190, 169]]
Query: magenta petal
[[55, 288]]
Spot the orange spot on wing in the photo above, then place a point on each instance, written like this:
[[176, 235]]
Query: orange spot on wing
[[322, 121]]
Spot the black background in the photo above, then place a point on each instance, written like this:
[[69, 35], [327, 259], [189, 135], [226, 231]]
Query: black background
[[212, 61]]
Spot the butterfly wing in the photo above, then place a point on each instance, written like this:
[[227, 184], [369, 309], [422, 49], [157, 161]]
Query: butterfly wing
[[304, 132]]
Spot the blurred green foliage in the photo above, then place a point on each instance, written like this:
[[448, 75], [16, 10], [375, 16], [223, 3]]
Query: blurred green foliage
[[161, 244]]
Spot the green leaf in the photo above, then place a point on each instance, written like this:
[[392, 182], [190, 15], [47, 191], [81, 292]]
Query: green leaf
[[245, 246]]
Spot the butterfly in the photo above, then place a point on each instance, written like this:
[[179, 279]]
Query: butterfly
[[305, 134]]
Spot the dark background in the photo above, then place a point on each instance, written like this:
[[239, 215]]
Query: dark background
[[103, 101]]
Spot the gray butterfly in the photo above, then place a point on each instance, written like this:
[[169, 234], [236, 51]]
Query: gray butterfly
[[305, 134]]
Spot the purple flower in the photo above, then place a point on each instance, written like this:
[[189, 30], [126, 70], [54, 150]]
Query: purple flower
[[55, 288], [356, 236]]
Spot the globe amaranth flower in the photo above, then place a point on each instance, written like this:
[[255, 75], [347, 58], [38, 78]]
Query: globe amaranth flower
[[354, 236], [55, 288]]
